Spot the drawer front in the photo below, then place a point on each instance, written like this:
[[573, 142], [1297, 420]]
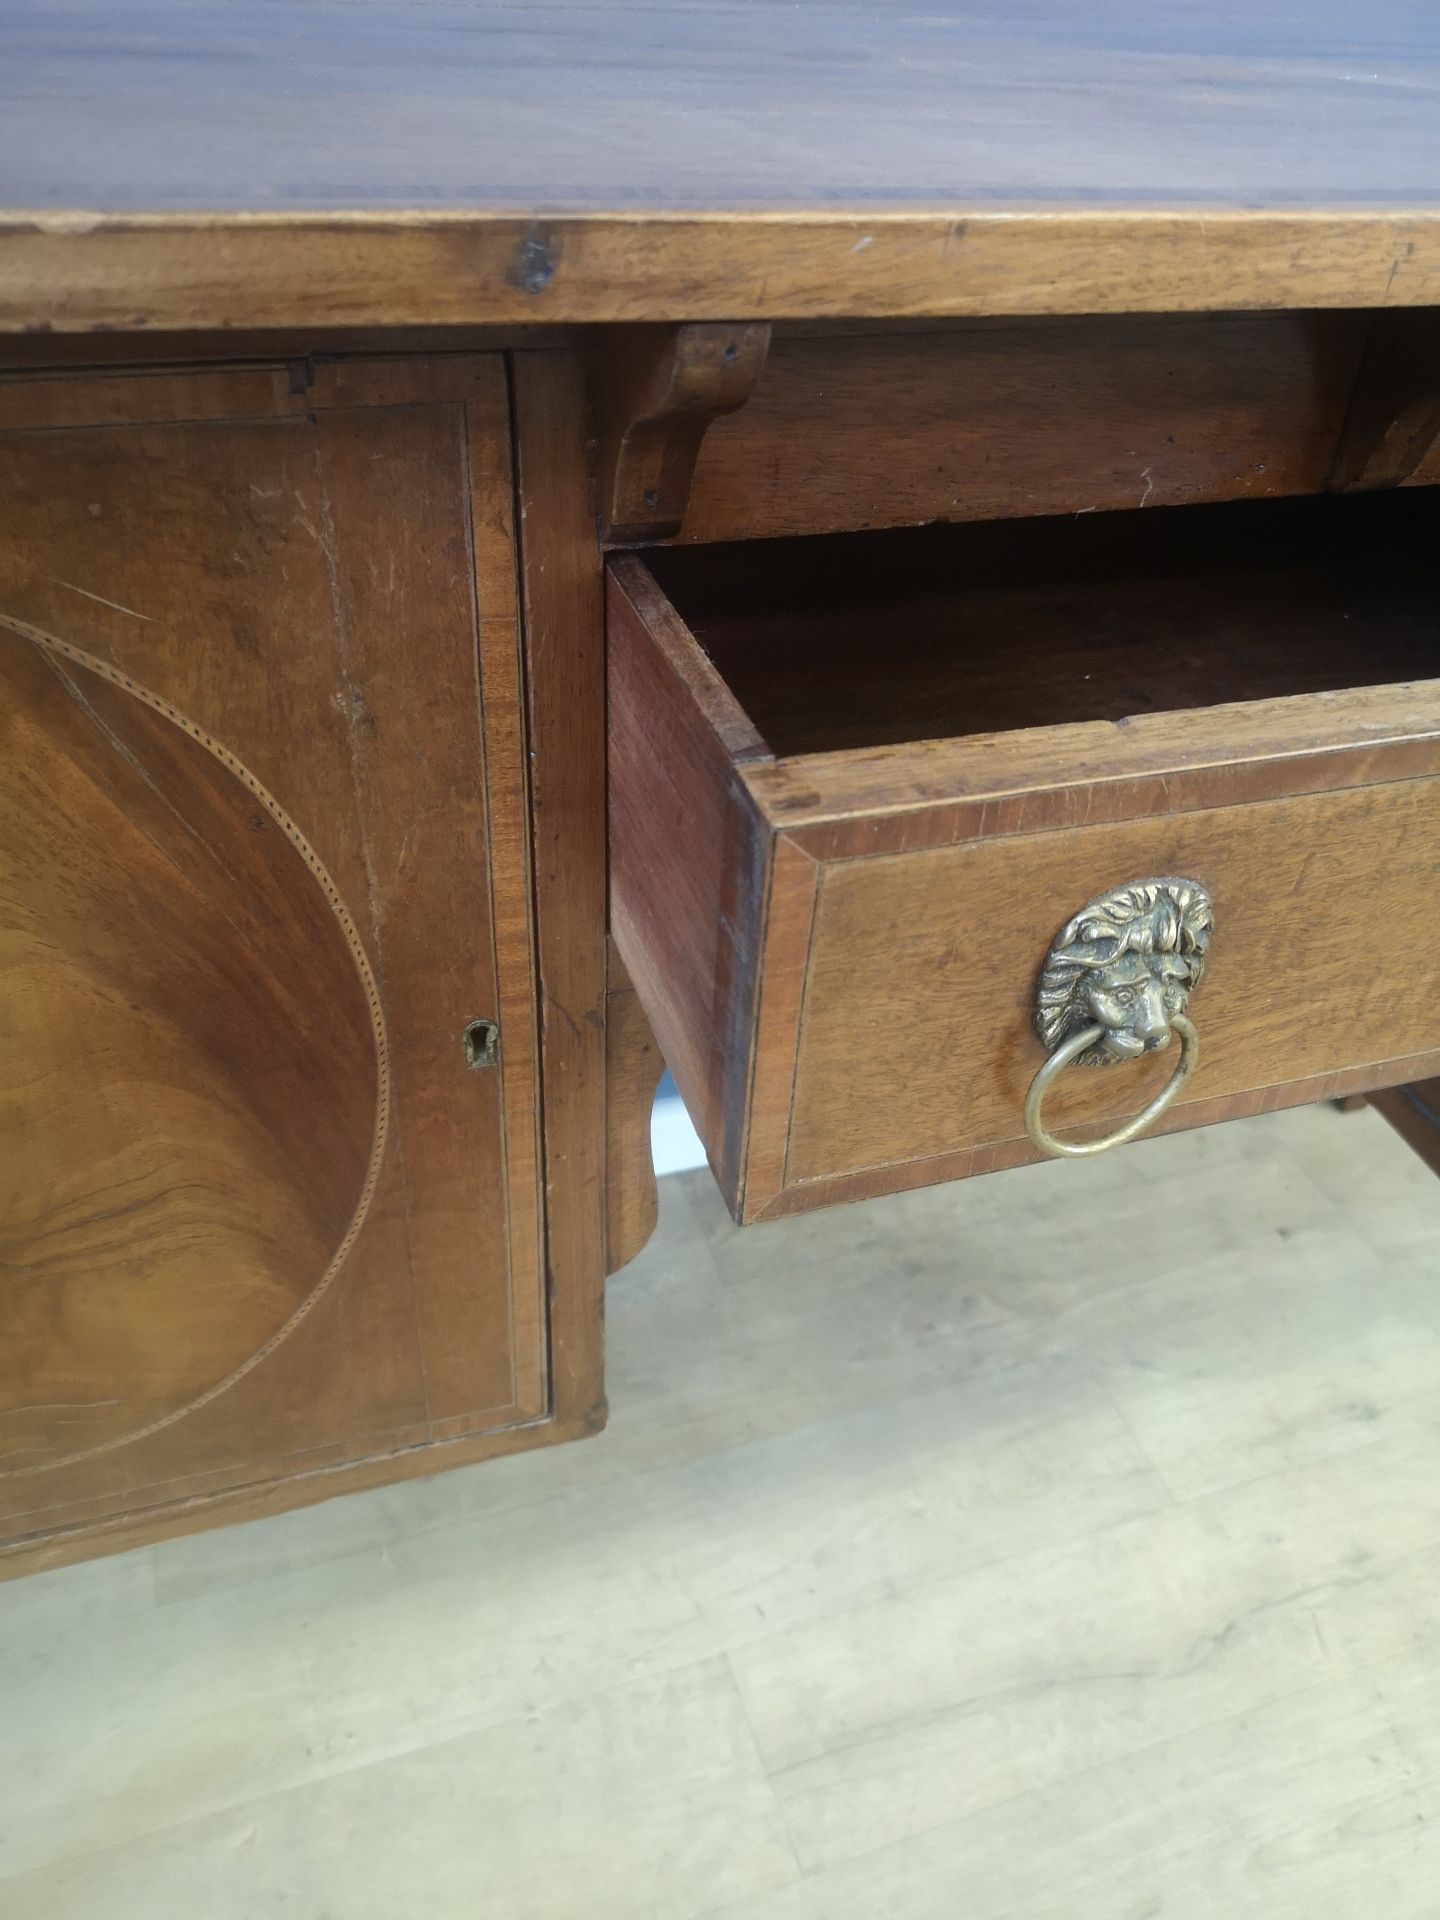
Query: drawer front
[[839, 952], [914, 1042]]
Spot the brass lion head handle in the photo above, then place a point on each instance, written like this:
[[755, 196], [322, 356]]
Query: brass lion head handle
[[1115, 985]]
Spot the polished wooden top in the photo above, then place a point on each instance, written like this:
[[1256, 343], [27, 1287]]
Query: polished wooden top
[[471, 160]]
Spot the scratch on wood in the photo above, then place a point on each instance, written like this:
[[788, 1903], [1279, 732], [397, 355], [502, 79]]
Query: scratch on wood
[[99, 598]]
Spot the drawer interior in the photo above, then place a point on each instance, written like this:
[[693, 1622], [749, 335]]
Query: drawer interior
[[845, 641]]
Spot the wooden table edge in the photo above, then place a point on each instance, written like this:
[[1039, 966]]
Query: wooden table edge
[[79, 270]]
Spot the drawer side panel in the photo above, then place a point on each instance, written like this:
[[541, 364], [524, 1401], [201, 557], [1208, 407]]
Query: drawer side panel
[[689, 871]]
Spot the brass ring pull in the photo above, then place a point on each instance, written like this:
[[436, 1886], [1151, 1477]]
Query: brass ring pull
[[1115, 986], [1077, 1044]]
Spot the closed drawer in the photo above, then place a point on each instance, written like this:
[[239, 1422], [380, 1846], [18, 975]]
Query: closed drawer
[[858, 785]]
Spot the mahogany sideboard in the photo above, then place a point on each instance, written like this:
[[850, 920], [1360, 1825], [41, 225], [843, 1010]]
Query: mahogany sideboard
[[859, 553]]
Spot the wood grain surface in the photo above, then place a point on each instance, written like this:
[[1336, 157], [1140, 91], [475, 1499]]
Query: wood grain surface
[[562, 596], [934, 955], [741, 104], [197, 1086], [260, 1217], [130, 273], [853, 426], [396, 164], [936, 792], [688, 860]]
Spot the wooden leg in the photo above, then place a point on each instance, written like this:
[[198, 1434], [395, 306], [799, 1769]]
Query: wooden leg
[[1414, 1112]]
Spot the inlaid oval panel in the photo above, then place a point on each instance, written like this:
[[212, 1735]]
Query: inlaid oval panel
[[192, 1078]]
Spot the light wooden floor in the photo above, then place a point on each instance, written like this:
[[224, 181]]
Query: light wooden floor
[[1061, 1544]]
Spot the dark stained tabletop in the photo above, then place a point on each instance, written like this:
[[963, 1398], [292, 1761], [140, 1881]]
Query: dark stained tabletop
[[638, 105], [216, 163]]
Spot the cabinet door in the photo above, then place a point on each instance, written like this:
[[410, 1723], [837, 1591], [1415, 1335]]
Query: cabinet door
[[268, 1159]]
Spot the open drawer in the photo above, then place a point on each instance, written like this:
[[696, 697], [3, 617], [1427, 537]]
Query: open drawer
[[863, 786]]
